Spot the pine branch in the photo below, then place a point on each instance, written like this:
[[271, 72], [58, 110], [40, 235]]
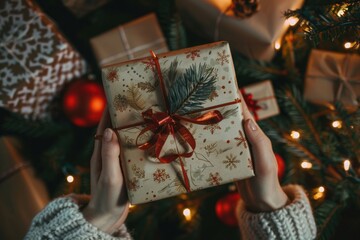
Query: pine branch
[[327, 217], [192, 89], [329, 22], [299, 115], [15, 124], [259, 70], [171, 23]]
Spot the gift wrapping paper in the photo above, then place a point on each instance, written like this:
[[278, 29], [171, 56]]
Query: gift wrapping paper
[[129, 41], [22, 193], [35, 59], [331, 77], [261, 100], [221, 154], [254, 37]]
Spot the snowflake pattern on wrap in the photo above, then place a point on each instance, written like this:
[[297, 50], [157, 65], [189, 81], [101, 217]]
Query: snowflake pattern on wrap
[[139, 173], [241, 139], [214, 179], [133, 184], [231, 161], [160, 175], [193, 54], [112, 75], [223, 57]]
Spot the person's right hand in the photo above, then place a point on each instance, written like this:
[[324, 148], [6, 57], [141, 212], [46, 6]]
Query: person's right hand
[[263, 192]]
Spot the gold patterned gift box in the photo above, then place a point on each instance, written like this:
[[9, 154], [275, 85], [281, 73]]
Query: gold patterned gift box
[[179, 120], [254, 36], [36, 61], [260, 99], [129, 41], [332, 77]]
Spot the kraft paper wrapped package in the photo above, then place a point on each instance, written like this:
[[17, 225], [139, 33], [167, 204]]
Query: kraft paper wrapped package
[[129, 41], [22, 193], [179, 120], [261, 100], [254, 37], [36, 61], [333, 77]]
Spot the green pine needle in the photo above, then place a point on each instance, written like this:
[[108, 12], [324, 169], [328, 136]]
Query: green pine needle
[[327, 217], [190, 90]]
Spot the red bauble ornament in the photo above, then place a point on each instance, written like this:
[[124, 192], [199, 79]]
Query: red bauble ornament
[[281, 166], [225, 209], [83, 103]]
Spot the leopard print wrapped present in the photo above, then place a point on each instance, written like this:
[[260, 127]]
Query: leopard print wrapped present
[[35, 59]]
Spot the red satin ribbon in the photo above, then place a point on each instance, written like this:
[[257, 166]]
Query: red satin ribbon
[[251, 103], [163, 124]]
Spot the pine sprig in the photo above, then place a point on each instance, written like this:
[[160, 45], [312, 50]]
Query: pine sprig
[[324, 23], [192, 89], [327, 217]]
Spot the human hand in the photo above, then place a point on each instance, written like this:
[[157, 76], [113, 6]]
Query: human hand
[[108, 207], [263, 192]]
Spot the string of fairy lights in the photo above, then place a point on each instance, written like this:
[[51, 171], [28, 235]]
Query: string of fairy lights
[[317, 193]]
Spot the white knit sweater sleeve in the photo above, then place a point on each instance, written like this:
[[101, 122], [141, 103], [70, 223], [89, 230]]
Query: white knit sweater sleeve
[[294, 221], [62, 219]]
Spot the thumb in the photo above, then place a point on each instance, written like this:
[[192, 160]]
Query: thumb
[[110, 152], [261, 148]]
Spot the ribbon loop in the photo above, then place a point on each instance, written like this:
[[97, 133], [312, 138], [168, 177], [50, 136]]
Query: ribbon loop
[[251, 103], [163, 124]]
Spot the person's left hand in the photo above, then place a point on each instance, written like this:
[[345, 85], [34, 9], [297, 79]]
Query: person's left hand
[[108, 207]]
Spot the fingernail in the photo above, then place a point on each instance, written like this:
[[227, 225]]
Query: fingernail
[[252, 125], [107, 135]]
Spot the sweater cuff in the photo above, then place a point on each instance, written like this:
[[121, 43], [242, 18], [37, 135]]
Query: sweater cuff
[[293, 221], [62, 219]]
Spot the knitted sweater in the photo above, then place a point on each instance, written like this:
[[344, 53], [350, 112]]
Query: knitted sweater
[[294, 221], [62, 219]]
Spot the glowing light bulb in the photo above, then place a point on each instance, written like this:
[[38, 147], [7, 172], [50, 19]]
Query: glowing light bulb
[[277, 45], [340, 13], [187, 214], [306, 165], [336, 124], [348, 45], [292, 21], [131, 206], [319, 193], [295, 134], [347, 164], [69, 178]]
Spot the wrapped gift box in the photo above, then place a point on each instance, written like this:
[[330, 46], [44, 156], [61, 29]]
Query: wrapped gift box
[[22, 194], [35, 59], [254, 37], [261, 100], [333, 77], [129, 41], [199, 87]]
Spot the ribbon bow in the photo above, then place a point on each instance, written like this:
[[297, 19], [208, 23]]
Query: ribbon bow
[[251, 103], [163, 124]]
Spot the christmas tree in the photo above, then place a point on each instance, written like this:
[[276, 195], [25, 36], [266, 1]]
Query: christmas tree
[[317, 145]]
